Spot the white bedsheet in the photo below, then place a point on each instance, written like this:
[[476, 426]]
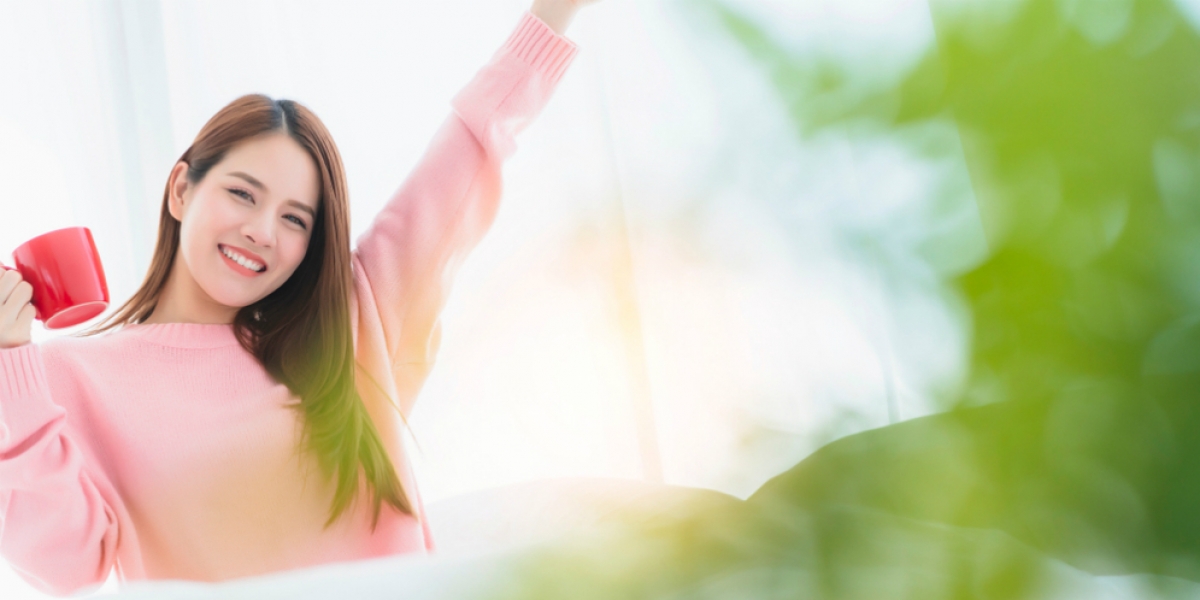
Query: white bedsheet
[[598, 539]]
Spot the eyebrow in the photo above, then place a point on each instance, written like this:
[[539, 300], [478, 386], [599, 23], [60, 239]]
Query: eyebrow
[[258, 184]]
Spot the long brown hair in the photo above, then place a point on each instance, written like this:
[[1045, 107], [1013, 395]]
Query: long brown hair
[[301, 332]]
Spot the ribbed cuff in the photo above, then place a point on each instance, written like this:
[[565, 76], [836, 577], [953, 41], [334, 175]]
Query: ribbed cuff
[[22, 377], [540, 46], [23, 373]]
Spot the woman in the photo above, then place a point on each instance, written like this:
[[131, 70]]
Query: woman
[[243, 414]]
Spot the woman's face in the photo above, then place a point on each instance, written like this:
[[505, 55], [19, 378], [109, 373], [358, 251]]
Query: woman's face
[[259, 202]]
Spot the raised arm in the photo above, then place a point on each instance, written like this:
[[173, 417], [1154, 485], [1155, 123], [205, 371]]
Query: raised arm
[[407, 259], [58, 528], [558, 14]]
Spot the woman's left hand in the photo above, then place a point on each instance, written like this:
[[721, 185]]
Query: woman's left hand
[[558, 13]]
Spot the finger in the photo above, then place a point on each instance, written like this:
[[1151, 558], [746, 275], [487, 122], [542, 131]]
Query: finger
[[9, 313], [17, 299], [21, 294], [8, 282], [25, 318]]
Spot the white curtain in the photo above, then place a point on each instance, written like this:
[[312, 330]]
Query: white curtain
[[664, 294]]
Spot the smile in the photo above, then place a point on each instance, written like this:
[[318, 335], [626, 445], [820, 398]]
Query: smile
[[241, 264]]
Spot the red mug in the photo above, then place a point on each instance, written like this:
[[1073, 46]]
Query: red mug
[[64, 269]]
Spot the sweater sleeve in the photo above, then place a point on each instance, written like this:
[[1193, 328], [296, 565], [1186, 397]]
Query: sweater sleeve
[[57, 531], [414, 247]]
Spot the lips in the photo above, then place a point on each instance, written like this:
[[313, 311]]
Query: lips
[[250, 255]]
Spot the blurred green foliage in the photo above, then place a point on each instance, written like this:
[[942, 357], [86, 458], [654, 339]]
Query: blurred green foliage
[[1080, 122], [1080, 129], [1074, 448]]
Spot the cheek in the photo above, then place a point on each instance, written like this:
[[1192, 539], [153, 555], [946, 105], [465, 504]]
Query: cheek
[[291, 254], [206, 218], [193, 236]]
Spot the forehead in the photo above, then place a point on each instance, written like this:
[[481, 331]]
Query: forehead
[[279, 163]]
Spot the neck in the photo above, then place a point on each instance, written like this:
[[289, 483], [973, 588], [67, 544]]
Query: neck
[[183, 301]]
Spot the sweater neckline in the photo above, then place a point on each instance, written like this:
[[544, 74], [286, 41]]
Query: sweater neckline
[[184, 335]]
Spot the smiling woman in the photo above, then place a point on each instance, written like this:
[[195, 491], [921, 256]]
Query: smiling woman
[[255, 233], [208, 270], [260, 348]]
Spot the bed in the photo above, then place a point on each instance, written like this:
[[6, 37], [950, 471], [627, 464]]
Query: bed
[[598, 538]]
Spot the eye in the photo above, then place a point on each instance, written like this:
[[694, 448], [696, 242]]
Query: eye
[[299, 221], [242, 193]]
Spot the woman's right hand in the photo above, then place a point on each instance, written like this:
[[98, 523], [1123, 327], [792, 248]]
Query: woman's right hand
[[16, 313]]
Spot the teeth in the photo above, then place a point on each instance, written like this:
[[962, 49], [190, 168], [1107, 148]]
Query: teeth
[[241, 260]]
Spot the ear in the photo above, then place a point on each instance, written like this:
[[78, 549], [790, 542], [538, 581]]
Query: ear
[[177, 184]]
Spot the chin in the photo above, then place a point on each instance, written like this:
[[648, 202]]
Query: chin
[[230, 298]]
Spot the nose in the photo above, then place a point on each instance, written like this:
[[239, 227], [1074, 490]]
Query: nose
[[260, 229]]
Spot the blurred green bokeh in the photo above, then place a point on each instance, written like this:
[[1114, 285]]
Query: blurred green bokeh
[[1079, 123], [1073, 449]]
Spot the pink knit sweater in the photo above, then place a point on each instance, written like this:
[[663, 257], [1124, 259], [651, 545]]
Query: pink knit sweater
[[167, 452]]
